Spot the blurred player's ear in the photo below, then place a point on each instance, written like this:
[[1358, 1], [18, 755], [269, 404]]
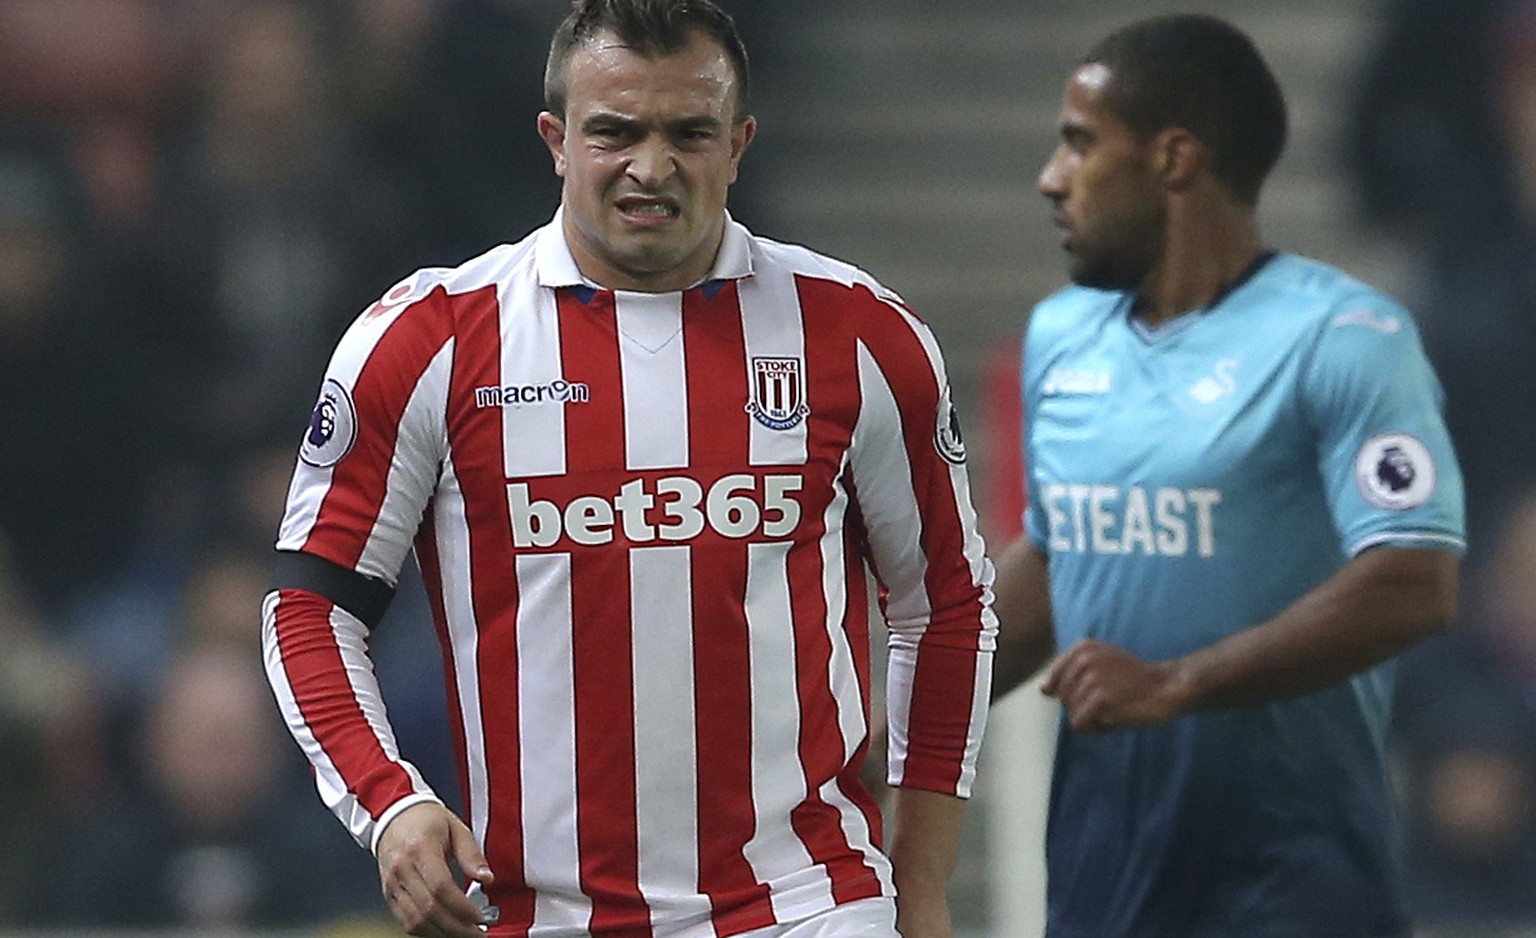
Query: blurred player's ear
[[742, 133], [552, 129], [1178, 156]]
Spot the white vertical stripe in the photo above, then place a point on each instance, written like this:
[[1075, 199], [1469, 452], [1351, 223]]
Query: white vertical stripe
[[422, 437], [901, 666], [776, 855], [842, 671], [547, 730], [883, 476], [772, 326], [306, 493], [655, 386], [451, 531], [666, 775], [530, 356], [981, 708]]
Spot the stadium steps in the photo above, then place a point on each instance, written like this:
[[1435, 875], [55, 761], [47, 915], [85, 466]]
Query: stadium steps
[[908, 136]]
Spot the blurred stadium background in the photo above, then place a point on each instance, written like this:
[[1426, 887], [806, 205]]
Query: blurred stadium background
[[197, 195]]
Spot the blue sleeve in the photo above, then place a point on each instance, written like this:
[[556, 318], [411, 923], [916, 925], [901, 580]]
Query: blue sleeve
[[1029, 376], [1385, 457]]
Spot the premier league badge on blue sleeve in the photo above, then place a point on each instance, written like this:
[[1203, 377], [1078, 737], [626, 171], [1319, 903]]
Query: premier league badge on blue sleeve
[[332, 427], [1395, 471]]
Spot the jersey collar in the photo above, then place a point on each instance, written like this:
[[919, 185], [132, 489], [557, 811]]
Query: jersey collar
[[1184, 320], [557, 267]]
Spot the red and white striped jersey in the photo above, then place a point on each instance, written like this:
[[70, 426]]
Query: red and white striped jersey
[[644, 522]]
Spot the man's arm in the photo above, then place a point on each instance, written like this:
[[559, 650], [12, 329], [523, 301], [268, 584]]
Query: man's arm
[[1377, 605], [367, 470], [907, 466], [316, 655], [925, 844], [1021, 598]]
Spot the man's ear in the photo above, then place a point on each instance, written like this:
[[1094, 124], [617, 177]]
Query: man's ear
[[742, 133], [552, 130], [1179, 156]]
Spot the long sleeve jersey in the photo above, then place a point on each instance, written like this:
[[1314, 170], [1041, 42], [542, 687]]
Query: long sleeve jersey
[[646, 523]]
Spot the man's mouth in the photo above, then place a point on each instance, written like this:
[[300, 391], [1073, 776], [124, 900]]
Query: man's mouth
[[648, 209], [1064, 225]]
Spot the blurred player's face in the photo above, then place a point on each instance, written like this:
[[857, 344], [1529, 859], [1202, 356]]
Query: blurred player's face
[[1105, 194], [647, 149]]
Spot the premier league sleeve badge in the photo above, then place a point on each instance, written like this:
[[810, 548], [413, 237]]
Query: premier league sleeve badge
[[332, 427]]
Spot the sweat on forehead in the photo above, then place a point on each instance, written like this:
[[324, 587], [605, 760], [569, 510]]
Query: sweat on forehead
[[653, 29]]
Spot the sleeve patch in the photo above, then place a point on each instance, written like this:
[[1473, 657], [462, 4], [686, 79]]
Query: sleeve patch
[[947, 437], [332, 427], [1395, 471]]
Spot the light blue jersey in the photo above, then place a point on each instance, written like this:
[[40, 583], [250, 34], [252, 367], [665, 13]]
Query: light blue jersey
[[1192, 481]]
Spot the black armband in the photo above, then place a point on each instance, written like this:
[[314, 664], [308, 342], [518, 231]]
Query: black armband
[[363, 596]]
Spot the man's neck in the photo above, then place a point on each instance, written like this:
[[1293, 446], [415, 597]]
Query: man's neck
[[608, 275], [1200, 266]]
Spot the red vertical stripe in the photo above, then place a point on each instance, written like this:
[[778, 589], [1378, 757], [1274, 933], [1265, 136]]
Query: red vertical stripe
[[607, 830], [383, 388], [475, 437], [719, 436], [832, 384], [856, 627], [318, 678]]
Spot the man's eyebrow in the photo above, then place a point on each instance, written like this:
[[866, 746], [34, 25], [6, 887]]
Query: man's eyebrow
[[1073, 132], [699, 122], [608, 119], [611, 120]]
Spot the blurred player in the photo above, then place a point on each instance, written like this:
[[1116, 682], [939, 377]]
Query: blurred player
[[1242, 503], [644, 459]]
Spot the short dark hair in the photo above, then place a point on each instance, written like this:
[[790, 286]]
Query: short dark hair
[[1205, 75], [652, 28]]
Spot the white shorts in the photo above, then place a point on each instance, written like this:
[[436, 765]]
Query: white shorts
[[865, 918]]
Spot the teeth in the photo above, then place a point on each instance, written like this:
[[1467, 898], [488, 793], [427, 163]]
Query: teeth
[[652, 209]]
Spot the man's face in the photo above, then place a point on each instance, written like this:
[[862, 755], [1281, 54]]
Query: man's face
[[1105, 194], [647, 149]]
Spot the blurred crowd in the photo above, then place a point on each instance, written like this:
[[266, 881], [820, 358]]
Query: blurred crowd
[[197, 196], [1441, 147]]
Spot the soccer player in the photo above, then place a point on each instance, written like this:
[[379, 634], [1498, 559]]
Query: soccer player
[[645, 459], [1242, 504]]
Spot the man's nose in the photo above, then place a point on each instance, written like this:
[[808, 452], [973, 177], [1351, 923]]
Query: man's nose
[[652, 161], [1051, 182]]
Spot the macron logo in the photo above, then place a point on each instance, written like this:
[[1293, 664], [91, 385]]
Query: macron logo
[[1063, 380], [559, 391]]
